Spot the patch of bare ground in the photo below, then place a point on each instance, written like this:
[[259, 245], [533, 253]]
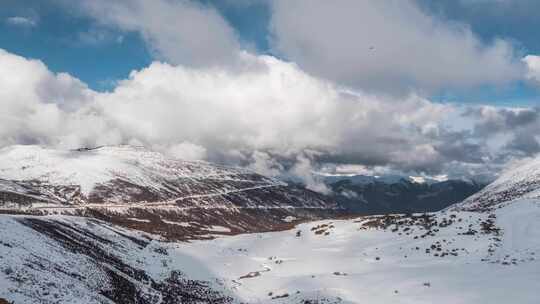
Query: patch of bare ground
[[424, 226], [197, 223]]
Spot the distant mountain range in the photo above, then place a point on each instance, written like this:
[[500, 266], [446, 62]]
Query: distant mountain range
[[397, 194]]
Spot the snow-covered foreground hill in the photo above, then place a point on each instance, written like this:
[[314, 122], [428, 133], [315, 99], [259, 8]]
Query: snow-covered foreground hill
[[479, 251], [448, 257], [400, 264]]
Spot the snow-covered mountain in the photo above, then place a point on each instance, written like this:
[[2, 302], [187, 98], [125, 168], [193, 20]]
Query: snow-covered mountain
[[138, 188], [472, 252], [520, 182]]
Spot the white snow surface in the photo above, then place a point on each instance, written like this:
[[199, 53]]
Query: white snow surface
[[344, 265], [87, 168], [347, 265]]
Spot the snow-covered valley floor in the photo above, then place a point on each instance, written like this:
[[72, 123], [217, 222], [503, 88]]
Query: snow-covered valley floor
[[447, 257], [354, 265]]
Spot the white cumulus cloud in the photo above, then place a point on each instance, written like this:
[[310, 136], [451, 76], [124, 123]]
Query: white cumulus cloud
[[267, 113], [390, 46]]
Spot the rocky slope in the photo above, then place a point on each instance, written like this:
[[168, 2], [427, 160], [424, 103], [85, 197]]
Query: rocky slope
[[66, 259], [138, 188], [521, 182]]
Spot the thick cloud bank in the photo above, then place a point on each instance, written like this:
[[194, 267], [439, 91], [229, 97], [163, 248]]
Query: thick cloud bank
[[264, 113], [273, 107], [387, 46]]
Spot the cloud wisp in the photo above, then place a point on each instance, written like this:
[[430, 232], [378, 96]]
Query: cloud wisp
[[21, 21]]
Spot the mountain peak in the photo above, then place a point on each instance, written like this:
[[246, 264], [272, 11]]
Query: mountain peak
[[87, 167], [518, 182]]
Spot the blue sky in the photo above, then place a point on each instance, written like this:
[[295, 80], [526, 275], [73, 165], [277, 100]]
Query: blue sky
[[67, 41], [56, 40]]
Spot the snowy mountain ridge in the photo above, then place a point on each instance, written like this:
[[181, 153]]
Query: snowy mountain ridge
[[89, 167], [139, 188], [520, 182], [363, 179]]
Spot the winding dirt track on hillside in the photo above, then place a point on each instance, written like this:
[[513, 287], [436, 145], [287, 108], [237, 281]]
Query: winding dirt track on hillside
[[172, 202]]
